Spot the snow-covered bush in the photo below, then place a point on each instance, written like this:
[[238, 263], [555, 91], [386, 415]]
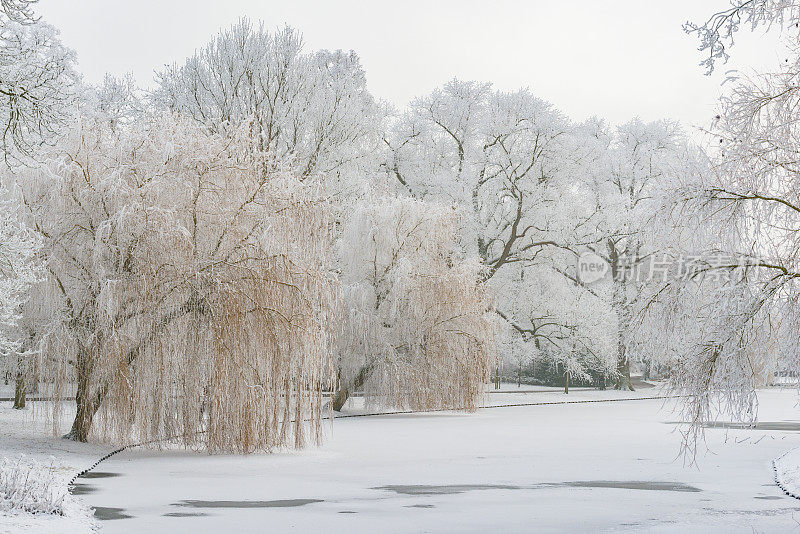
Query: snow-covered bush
[[30, 486]]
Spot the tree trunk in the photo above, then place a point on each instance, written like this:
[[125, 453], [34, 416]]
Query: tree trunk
[[566, 383], [345, 388], [86, 404], [19, 392], [619, 304], [86, 410], [340, 397], [623, 372]]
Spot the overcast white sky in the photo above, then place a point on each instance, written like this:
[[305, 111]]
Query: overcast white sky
[[612, 58]]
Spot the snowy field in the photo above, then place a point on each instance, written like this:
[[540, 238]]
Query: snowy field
[[607, 466]]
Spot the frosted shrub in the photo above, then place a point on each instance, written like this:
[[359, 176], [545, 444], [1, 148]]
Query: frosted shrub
[[29, 486]]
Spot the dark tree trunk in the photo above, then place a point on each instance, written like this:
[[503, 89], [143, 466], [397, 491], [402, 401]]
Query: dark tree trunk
[[340, 398], [346, 389], [87, 408], [20, 392], [566, 383], [86, 404], [87, 399]]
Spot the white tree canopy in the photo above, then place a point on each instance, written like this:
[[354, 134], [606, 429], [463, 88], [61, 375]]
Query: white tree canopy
[[311, 107]]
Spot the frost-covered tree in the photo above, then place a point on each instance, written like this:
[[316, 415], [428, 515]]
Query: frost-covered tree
[[639, 162], [192, 290], [516, 166], [19, 10], [37, 79], [718, 33], [311, 106], [729, 315], [18, 272], [417, 330]]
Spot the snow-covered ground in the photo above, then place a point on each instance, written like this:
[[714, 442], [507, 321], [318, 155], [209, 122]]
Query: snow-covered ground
[[787, 472], [559, 467]]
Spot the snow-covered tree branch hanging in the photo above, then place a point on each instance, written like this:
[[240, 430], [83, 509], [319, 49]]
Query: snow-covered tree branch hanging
[[734, 313], [417, 332], [194, 289]]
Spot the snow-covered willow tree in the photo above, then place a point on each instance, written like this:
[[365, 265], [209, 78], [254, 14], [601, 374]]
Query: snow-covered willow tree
[[417, 332], [313, 110], [312, 107], [19, 270], [516, 166], [37, 80], [193, 290], [727, 317]]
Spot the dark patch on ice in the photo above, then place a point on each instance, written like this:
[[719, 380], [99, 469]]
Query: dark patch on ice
[[785, 426], [789, 426], [452, 489], [347, 512], [185, 514], [99, 474], [109, 514], [282, 503], [420, 506], [82, 489], [645, 485], [769, 497], [438, 415]]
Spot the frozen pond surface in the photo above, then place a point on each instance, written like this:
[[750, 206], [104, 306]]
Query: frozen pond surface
[[577, 467]]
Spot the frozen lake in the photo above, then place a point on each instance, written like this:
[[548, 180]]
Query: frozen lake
[[576, 467]]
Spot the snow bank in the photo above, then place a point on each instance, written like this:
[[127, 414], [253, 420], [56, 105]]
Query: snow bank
[[787, 472], [34, 498], [35, 469], [30, 486]]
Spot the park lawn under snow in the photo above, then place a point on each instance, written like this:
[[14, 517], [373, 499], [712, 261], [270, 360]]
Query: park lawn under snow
[[585, 467]]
